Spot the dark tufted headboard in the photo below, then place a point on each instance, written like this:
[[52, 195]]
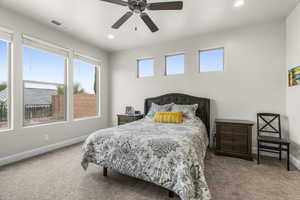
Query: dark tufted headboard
[[203, 111]]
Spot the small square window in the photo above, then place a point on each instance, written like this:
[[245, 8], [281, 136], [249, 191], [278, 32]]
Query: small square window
[[175, 64], [211, 60], [145, 68]]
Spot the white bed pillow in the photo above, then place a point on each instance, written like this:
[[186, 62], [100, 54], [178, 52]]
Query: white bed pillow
[[189, 111], [159, 108]]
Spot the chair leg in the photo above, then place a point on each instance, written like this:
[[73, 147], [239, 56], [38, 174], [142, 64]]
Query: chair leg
[[280, 146], [258, 150], [104, 171], [288, 157], [171, 194]]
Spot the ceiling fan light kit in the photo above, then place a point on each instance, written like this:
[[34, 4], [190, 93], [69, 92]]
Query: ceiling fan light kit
[[139, 7]]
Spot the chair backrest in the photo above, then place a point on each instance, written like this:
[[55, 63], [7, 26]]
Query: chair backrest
[[265, 124]]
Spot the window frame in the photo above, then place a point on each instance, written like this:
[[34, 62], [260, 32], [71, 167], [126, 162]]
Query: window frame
[[97, 64], [210, 49], [173, 55], [46, 49], [8, 41], [138, 67]]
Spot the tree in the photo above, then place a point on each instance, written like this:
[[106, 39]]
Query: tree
[[95, 81], [3, 86], [60, 90], [77, 89]]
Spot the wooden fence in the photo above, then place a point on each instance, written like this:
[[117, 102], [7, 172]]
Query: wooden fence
[[85, 105]]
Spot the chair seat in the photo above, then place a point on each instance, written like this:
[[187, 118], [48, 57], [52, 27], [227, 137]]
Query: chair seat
[[274, 140]]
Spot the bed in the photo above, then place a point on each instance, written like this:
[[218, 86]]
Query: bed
[[169, 155]]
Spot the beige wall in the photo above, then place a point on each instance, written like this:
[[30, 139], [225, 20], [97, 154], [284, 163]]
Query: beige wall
[[253, 80], [22, 139], [293, 93]]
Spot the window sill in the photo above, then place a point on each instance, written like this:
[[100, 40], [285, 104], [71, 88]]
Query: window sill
[[44, 124], [5, 130], [87, 118], [174, 75], [210, 72], [144, 77]]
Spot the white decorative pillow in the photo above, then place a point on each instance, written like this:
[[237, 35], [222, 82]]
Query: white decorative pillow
[[159, 108], [189, 111]]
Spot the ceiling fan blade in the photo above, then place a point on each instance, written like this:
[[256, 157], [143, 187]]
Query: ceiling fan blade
[[148, 21], [173, 5], [119, 2], [122, 20]]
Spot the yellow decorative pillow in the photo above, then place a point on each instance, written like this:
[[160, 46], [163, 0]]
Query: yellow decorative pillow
[[168, 117]]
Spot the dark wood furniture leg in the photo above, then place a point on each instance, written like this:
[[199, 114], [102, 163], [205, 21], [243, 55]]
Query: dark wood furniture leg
[[288, 157], [104, 171], [280, 146], [258, 150], [171, 194]]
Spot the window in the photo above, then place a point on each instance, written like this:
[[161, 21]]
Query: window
[[4, 84], [211, 60], [145, 68], [85, 89], [175, 64], [44, 86]]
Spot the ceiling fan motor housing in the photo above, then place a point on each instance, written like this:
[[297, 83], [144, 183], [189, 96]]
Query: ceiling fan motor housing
[[137, 6]]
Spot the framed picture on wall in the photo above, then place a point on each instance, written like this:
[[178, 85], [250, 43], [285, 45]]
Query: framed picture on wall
[[294, 76]]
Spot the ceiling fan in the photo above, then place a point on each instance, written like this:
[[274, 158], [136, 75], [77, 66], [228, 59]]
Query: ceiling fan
[[139, 7]]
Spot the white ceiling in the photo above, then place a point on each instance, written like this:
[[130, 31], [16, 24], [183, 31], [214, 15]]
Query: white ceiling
[[91, 20]]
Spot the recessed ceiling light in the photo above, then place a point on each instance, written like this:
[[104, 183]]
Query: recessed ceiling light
[[110, 36], [239, 3]]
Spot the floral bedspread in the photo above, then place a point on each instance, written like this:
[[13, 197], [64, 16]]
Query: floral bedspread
[[169, 155]]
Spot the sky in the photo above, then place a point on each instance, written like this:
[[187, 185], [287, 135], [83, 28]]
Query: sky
[[84, 74], [3, 61], [209, 61], [175, 64], [42, 66], [212, 60], [146, 67]]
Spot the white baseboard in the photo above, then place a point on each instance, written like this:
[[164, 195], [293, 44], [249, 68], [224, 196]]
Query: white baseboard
[[294, 160], [42, 150]]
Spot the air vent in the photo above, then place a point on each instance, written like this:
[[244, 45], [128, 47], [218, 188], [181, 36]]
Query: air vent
[[57, 23]]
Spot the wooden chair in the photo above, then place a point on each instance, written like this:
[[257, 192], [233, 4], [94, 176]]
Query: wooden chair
[[269, 138]]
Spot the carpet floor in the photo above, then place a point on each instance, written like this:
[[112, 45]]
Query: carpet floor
[[58, 176]]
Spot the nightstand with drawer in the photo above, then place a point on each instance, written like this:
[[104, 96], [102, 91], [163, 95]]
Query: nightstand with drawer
[[234, 138], [124, 119]]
